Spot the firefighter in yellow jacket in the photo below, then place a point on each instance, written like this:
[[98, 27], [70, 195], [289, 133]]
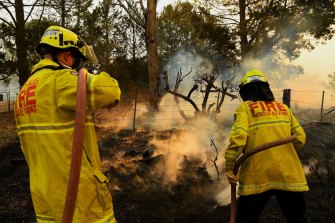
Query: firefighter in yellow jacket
[[261, 119], [45, 113]]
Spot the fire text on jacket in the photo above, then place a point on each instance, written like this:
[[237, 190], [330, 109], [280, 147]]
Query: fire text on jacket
[[26, 101], [264, 108]]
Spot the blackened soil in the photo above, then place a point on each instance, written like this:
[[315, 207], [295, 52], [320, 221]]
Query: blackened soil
[[140, 194]]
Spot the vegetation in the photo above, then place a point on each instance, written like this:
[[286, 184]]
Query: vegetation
[[133, 42], [331, 84]]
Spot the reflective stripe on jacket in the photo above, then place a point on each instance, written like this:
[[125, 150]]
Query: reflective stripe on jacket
[[44, 114], [279, 168]]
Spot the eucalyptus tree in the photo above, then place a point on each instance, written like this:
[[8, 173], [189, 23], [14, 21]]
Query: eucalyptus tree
[[131, 43], [117, 40], [60, 11], [272, 24], [15, 16], [80, 11], [133, 40], [275, 28], [146, 18], [68, 13], [8, 63], [100, 31], [184, 27]]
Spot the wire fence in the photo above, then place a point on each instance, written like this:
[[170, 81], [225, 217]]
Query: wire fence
[[134, 112]]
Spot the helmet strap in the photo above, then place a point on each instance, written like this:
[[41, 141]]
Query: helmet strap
[[54, 58], [76, 63]]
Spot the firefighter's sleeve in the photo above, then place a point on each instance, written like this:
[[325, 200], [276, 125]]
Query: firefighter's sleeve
[[296, 129], [237, 138], [103, 91]]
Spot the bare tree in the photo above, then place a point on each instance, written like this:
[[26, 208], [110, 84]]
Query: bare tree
[[203, 83]]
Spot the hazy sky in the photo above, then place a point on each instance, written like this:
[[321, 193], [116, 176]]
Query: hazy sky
[[317, 64]]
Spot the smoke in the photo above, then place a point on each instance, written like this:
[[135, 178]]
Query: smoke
[[168, 117], [193, 142], [122, 116], [189, 142], [276, 72], [191, 145], [185, 62]]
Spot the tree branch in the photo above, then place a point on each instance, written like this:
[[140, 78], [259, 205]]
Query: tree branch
[[3, 78], [43, 7], [5, 21], [186, 99], [181, 112], [209, 80], [195, 87], [167, 88], [12, 3], [131, 15], [219, 104], [31, 10], [220, 90], [142, 7], [9, 12], [216, 158], [209, 107]]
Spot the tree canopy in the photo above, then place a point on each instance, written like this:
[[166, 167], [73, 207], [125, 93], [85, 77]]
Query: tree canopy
[[235, 31]]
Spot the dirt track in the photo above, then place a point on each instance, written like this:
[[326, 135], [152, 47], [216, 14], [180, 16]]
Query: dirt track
[[140, 194]]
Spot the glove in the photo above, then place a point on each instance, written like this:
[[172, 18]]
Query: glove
[[232, 179]]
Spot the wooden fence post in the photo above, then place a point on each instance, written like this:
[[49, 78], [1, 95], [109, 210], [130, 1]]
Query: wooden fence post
[[287, 97], [322, 100], [134, 119], [8, 98]]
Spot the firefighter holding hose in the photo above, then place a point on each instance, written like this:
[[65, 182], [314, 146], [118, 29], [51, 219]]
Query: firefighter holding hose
[[45, 114], [277, 171]]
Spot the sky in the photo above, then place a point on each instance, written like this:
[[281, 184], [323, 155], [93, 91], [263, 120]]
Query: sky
[[317, 64]]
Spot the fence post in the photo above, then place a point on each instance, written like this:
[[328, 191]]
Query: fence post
[[8, 98], [287, 97], [322, 100], [134, 121]]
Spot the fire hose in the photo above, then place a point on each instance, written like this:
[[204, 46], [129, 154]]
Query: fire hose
[[245, 156], [77, 148]]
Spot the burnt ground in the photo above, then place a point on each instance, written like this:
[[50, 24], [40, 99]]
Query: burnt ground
[[138, 188]]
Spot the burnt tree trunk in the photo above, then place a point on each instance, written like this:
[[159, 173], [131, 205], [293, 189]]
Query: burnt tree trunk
[[21, 46], [209, 86], [152, 53]]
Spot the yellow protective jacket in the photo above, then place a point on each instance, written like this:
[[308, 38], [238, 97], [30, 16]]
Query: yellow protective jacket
[[44, 115], [278, 168]]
